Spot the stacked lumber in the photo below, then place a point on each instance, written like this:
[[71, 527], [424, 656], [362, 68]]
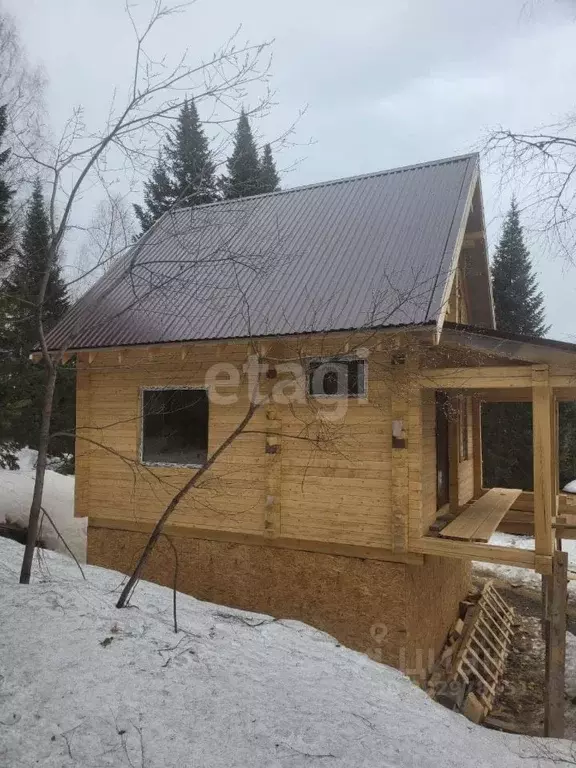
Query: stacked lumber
[[467, 674]]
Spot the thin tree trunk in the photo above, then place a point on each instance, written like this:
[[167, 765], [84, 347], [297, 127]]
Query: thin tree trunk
[[36, 506], [159, 527]]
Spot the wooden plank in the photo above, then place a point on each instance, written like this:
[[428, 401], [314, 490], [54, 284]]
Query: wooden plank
[[479, 521], [556, 648], [544, 485]]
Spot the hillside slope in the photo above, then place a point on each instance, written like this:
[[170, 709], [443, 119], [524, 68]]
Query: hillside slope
[[83, 684]]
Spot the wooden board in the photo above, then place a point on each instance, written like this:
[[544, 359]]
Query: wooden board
[[479, 521]]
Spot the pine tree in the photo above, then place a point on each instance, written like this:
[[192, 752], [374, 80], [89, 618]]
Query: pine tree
[[269, 179], [244, 171], [519, 308], [518, 302], [184, 174]]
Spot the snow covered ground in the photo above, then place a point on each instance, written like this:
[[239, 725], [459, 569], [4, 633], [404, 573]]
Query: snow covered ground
[[84, 684], [16, 487], [523, 576]]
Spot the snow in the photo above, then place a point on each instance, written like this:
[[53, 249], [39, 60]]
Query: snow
[[16, 487], [522, 577], [84, 684], [570, 487], [570, 682]]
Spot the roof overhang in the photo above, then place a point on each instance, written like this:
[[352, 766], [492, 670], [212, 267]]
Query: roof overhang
[[509, 346], [471, 256]]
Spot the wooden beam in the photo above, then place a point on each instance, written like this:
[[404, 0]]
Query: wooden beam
[[544, 484], [400, 481], [250, 539], [485, 377], [453, 454], [488, 553], [555, 638], [514, 395], [564, 380], [272, 514], [477, 446]]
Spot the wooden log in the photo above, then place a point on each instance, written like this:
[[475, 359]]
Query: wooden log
[[544, 485], [555, 630], [477, 446]]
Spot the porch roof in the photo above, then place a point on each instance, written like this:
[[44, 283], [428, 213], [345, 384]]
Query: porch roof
[[509, 346]]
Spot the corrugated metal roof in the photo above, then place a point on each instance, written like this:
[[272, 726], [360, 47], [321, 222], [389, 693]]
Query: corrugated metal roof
[[367, 251]]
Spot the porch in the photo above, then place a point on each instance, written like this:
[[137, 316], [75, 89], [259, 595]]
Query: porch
[[464, 531]]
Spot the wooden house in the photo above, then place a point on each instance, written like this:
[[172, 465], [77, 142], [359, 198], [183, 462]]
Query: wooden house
[[370, 299]]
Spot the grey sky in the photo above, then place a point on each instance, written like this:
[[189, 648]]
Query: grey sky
[[386, 82]]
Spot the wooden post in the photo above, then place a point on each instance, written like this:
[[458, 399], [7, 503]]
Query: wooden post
[[272, 506], [399, 487], [555, 638], [477, 446], [405, 413], [453, 454], [544, 469]]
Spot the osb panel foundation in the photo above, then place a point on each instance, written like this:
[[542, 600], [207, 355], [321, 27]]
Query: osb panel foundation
[[389, 610], [433, 592]]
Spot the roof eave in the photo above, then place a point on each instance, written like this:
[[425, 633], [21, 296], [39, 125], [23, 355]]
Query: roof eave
[[511, 346]]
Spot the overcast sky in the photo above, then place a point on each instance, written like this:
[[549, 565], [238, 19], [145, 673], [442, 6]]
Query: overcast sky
[[387, 82]]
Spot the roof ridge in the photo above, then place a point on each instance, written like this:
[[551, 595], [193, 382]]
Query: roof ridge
[[341, 180]]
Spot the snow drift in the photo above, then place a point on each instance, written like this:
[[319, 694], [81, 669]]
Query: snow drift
[[84, 684], [16, 487]]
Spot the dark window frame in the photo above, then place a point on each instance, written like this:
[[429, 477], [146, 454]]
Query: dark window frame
[[314, 363], [170, 388]]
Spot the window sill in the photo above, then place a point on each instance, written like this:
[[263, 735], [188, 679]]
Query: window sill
[[170, 464]]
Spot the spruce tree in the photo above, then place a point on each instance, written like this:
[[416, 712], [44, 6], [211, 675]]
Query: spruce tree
[[184, 174], [244, 172], [158, 195], [23, 284], [191, 164], [9, 409], [269, 179], [519, 308], [6, 228], [518, 302], [21, 333]]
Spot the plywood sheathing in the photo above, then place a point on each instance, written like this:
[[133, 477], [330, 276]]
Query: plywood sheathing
[[397, 614]]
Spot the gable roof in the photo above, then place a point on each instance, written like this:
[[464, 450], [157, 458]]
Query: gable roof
[[367, 251]]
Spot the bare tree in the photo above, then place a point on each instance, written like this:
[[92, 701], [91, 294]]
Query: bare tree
[[21, 90], [82, 156], [108, 235], [540, 165]]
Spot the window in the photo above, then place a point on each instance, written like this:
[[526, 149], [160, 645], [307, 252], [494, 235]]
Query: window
[[337, 378], [463, 424], [174, 426]]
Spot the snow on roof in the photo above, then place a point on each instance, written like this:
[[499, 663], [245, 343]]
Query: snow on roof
[[84, 684]]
